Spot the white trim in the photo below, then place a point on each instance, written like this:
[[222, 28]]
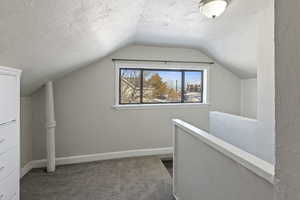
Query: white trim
[[234, 116], [98, 157], [206, 86], [174, 179], [249, 161], [155, 65], [151, 65], [159, 106], [10, 71], [32, 165], [26, 169]]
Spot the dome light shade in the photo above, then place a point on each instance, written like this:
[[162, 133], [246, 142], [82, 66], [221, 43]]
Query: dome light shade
[[213, 8]]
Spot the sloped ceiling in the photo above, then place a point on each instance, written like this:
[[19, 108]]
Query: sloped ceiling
[[49, 38]]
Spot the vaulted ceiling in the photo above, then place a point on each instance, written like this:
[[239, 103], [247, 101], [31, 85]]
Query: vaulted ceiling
[[49, 38]]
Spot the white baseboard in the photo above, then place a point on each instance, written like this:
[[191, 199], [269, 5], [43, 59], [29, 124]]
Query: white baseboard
[[98, 157], [26, 169], [31, 165]]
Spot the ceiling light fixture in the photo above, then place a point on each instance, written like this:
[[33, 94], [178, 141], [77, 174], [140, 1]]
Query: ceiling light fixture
[[213, 8]]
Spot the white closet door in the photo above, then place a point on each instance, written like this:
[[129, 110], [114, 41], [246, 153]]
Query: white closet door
[[8, 96]]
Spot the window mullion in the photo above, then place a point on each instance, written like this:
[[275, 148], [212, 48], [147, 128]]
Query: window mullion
[[182, 86], [202, 82], [120, 77], [141, 86]]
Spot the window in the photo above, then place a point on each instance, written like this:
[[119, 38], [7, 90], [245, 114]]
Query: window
[[158, 86]]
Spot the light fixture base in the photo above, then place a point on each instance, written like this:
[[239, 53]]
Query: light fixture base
[[213, 8]]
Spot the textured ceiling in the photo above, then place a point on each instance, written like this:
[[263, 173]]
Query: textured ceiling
[[49, 38]]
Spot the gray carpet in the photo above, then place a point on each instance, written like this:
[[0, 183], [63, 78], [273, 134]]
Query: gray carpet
[[143, 178]]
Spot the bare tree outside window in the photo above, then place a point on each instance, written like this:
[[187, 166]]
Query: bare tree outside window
[[162, 86], [130, 86]]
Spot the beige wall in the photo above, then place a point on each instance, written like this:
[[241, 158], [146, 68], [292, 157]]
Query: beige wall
[[287, 79], [239, 131], [265, 83], [214, 175], [87, 123], [249, 98], [26, 130]]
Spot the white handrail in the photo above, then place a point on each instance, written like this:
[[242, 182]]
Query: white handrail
[[234, 116], [249, 161]]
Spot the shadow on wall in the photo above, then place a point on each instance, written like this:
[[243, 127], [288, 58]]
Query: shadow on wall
[[239, 131]]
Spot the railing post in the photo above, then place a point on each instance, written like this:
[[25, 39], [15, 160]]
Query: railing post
[[174, 133]]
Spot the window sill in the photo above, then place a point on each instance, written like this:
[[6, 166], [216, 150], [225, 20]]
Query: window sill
[[159, 106]]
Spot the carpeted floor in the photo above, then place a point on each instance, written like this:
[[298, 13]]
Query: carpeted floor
[[143, 178]]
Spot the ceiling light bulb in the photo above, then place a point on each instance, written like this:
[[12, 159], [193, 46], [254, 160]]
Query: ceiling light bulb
[[213, 8]]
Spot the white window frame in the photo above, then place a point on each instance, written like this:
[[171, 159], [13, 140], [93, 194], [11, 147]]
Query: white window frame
[[161, 65]]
